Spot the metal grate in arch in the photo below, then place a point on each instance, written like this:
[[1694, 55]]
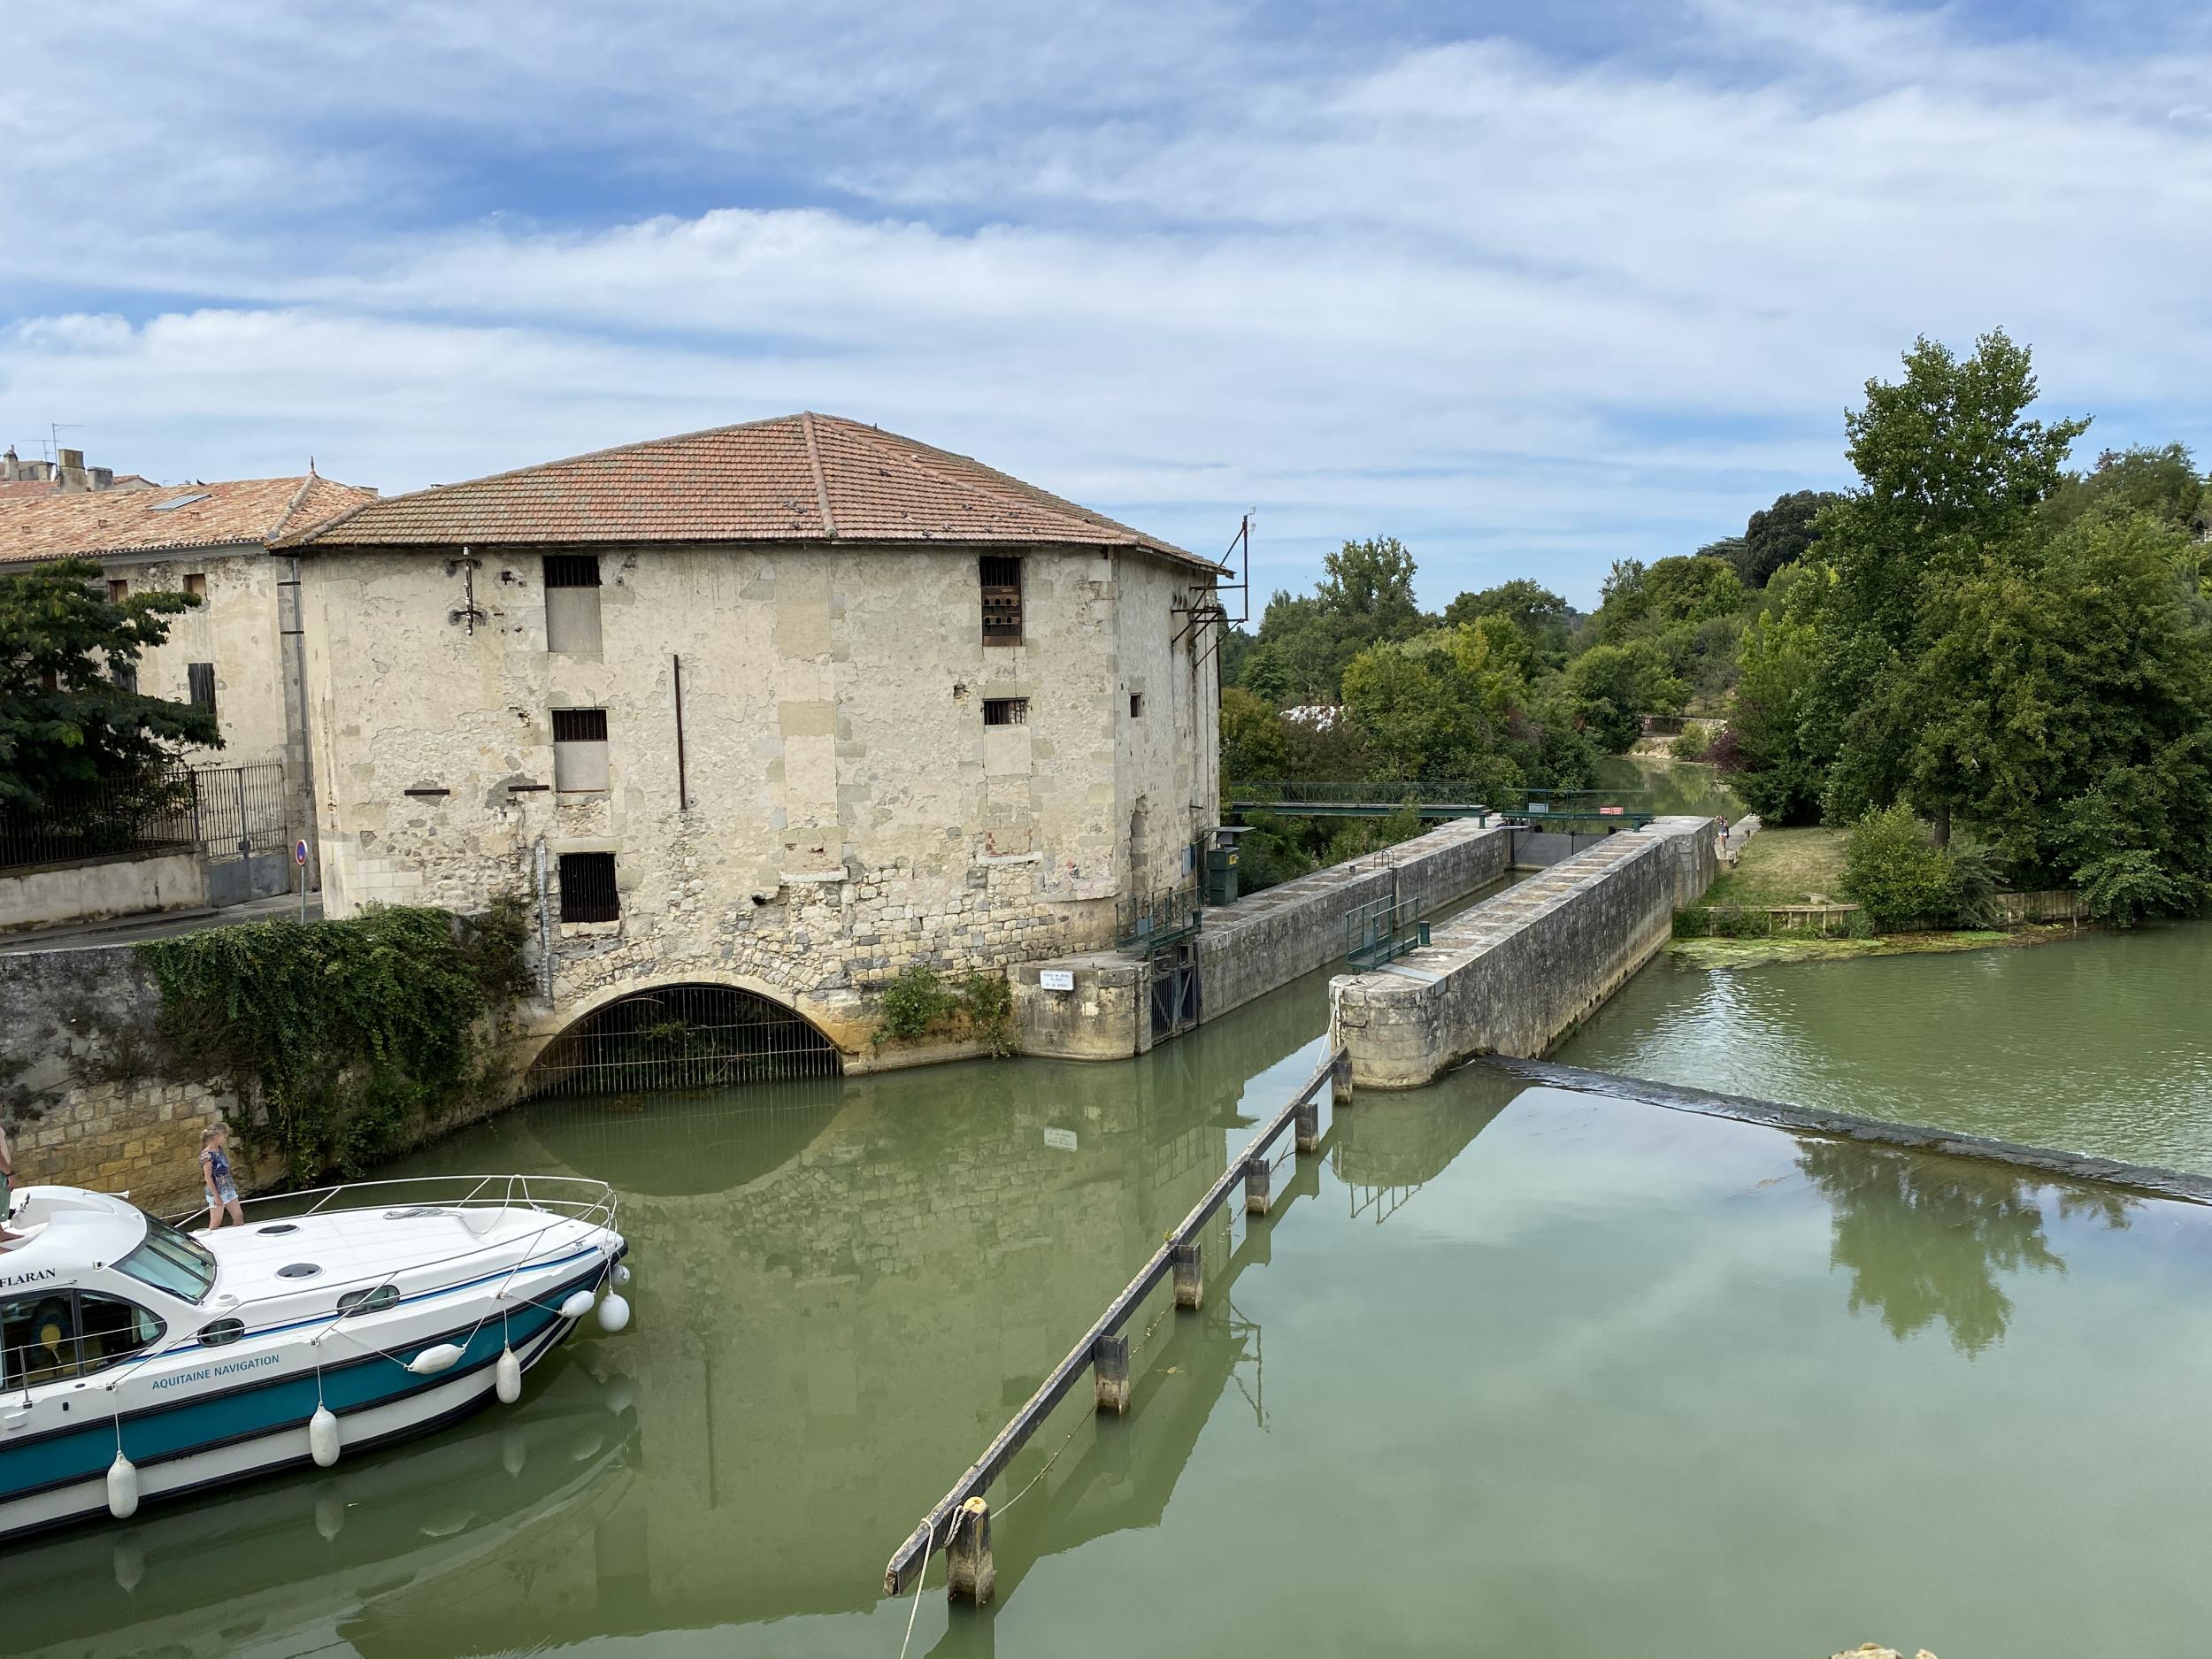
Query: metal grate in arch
[[681, 1037]]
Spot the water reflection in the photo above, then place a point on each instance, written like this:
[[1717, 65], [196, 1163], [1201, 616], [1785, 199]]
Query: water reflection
[[1925, 1237], [275, 1565]]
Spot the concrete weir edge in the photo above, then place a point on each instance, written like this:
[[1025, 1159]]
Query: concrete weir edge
[[2140, 1178]]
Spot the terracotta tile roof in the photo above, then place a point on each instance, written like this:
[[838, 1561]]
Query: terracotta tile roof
[[796, 478], [89, 524]]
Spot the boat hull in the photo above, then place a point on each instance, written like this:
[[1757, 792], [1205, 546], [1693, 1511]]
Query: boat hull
[[260, 1428]]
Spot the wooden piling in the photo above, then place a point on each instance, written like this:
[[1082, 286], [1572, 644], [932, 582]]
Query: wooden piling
[[1190, 1283], [1306, 1127], [1340, 1080], [1109, 1368], [1257, 1186], [970, 1574]]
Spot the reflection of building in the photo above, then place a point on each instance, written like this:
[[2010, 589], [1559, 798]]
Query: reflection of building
[[843, 1295], [785, 706]]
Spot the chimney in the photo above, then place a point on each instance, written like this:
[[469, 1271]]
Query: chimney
[[102, 477], [69, 472], [8, 465]]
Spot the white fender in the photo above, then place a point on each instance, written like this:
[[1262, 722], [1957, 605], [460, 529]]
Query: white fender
[[433, 1360], [322, 1437], [122, 1487], [621, 1274], [507, 1378], [614, 1312], [577, 1306], [621, 1394]]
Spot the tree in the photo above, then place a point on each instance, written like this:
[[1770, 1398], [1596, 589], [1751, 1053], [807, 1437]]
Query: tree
[[1252, 744], [1769, 765], [2160, 482], [1610, 687], [1542, 617], [1691, 589], [1372, 581], [1950, 469], [70, 719], [1779, 535]]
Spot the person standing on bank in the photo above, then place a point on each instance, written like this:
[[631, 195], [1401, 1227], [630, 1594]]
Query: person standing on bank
[[7, 1186], [222, 1193]]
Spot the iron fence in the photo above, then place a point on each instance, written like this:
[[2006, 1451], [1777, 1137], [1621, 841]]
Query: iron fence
[[241, 809], [681, 1037], [133, 817], [1144, 926], [1381, 929]]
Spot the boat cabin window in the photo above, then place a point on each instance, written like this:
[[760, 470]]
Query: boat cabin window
[[172, 1261], [71, 1334]]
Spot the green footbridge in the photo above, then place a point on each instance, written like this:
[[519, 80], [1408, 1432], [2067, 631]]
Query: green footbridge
[[1601, 808]]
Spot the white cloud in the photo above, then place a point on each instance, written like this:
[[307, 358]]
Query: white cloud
[[1527, 313]]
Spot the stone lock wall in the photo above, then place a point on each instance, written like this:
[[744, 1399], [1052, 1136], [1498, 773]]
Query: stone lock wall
[[1516, 972]]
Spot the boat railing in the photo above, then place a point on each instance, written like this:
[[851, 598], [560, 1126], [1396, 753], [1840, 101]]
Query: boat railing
[[576, 1197]]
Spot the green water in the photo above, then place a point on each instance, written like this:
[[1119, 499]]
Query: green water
[[2096, 1043], [1511, 1371], [1673, 787]]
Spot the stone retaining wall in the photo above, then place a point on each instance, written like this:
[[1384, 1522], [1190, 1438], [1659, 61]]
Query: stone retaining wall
[[1250, 948], [1516, 973]]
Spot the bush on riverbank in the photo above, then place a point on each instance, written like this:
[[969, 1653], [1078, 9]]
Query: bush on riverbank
[[335, 1036]]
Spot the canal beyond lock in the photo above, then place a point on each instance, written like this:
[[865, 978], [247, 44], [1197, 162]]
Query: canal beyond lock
[[1516, 1370]]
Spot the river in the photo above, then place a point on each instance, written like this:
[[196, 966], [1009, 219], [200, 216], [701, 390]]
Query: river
[[1514, 1369]]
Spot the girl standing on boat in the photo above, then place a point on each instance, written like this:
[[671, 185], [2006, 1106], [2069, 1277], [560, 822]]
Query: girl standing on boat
[[222, 1193]]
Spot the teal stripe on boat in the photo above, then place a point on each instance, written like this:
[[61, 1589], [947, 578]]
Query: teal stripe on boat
[[162, 1431]]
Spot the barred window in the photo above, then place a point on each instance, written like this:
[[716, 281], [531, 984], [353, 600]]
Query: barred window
[[572, 604], [1006, 712], [580, 750], [1002, 599], [587, 890]]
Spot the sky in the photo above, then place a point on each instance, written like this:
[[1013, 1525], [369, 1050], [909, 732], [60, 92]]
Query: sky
[[1529, 293]]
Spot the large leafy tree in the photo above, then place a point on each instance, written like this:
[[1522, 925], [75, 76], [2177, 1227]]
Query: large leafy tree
[[1365, 597], [2161, 482], [70, 717], [1540, 614], [1951, 470], [1778, 535]]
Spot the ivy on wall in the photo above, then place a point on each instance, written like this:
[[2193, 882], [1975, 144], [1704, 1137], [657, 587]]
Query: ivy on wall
[[336, 1036]]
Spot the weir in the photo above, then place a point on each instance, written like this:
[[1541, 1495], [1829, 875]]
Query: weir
[[1516, 972]]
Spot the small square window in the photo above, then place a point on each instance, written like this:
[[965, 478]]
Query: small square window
[[587, 889], [118, 590], [195, 586], [1136, 706], [1006, 712]]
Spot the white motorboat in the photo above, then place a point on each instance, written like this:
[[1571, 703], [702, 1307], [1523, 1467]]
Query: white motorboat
[[139, 1362]]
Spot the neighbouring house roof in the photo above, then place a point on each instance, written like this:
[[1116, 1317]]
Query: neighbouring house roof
[[98, 523], [795, 477]]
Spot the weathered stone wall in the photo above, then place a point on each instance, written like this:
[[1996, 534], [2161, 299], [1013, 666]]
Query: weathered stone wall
[[1514, 974], [76, 1042], [100, 888], [234, 628], [840, 812], [1250, 948]]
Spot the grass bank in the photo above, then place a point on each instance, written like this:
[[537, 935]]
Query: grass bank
[[1753, 953]]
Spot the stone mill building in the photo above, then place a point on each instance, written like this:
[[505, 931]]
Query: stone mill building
[[753, 719]]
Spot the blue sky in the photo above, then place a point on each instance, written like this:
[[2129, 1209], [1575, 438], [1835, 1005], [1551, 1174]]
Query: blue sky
[[1531, 296]]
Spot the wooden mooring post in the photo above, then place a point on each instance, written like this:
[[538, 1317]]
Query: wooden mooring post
[[961, 1516], [1340, 1080], [970, 1576]]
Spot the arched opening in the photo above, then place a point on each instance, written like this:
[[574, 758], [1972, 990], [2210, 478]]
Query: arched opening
[[681, 1037]]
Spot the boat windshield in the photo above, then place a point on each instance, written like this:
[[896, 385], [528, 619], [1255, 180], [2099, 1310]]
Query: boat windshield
[[171, 1260]]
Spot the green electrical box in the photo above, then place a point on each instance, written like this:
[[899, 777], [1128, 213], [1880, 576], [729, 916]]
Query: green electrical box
[[1221, 871]]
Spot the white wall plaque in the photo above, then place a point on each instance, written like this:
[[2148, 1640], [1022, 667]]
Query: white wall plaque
[[1056, 978], [1060, 1139]]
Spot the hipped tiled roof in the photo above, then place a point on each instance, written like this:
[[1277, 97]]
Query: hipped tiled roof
[[796, 478], [240, 512]]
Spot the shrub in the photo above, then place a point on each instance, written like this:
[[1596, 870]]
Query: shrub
[[1693, 744], [920, 999], [1974, 888], [1892, 868]]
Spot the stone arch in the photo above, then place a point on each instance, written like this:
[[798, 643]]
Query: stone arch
[[693, 1032]]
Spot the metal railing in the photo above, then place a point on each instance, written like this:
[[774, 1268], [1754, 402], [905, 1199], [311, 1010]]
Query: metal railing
[[1382, 929], [681, 1037], [242, 811], [1143, 925], [128, 817]]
